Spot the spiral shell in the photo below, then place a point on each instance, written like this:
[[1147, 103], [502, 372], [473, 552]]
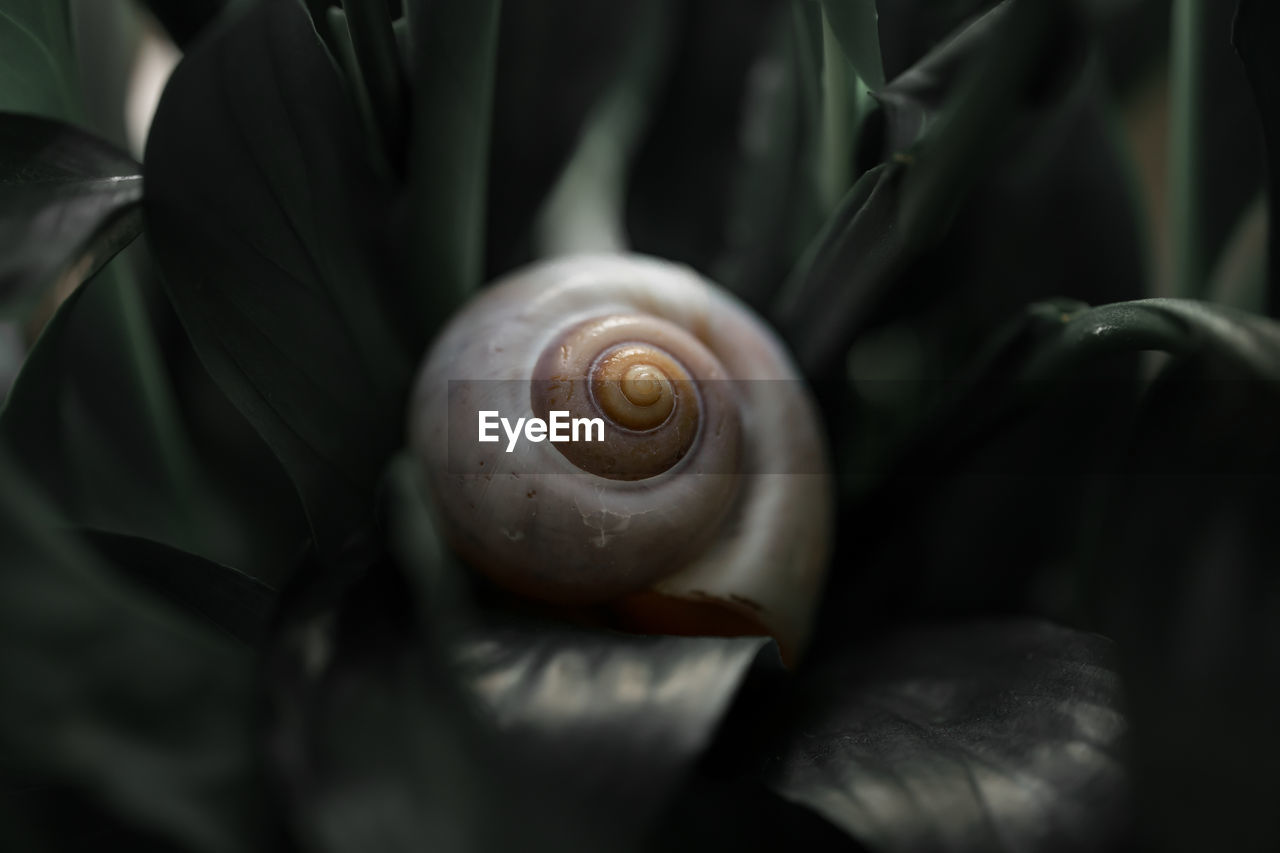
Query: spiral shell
[[707, 506]]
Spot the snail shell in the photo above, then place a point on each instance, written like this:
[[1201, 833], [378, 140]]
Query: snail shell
[[706, 508]]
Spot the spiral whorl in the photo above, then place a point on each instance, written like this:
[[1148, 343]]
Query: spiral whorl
[[653, 384]]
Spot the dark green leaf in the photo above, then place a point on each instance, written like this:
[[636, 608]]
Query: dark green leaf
[[108, 38], [557, 61], [94, 421], [603, 724], [1257, 26], [68, 204], [37, 72], [714, 814], [856, 24], [728, 114], [120, 722], [1215, 159], [1031, 46], [909, 29], [13, 349], [1242, 342], [1187, 169], [454, 52], [370, 737], [381, 77], [992, 504], [226, 598], [926, 485], [801, 105], [1186, 582], [983, 737], [585, 210], [186, 20], [272, 231], [125, 433], [913, 99], [1183, 573], [899, 213]]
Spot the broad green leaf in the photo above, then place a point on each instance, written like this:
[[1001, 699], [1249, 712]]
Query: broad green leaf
[[899, 244], [119, 719], [913, 100], [1257, 25], [68, 204], [857, 242], [37, 60], [372, 743], [727, 115], [856, 25], [909, 29], [999, 496], [226, 598], [611, 723], [93, 419], [126, 433], [1185, 580], [925, 483], [452, 78], [983, 737], [273, 233], [1033, 47]]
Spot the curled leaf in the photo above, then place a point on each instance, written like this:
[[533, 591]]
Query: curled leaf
[[978, 737], [68, 203]]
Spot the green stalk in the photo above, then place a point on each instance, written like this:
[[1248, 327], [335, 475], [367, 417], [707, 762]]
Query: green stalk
[[1187, 268], [373, 40], [455, 48], [837, 120]]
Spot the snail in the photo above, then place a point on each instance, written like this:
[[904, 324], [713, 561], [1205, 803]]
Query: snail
[[696, 498]]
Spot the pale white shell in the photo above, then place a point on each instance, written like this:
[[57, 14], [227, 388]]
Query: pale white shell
[[546, 527]]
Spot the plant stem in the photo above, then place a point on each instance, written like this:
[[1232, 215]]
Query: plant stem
[[374, 41], [455, 45], [837, 121], [1186, 267]]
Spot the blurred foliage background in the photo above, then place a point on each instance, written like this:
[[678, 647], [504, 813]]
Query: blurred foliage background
[[1020, 250]]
